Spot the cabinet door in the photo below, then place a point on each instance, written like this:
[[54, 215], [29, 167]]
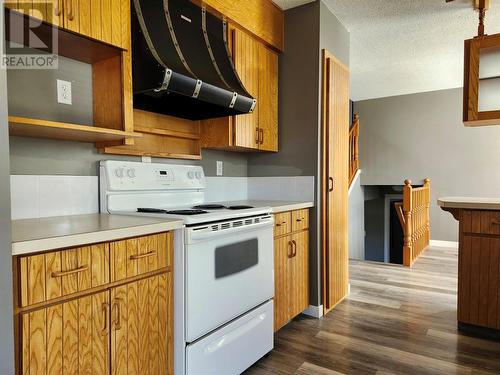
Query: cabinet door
[[142, 330], [282, 265], [246, 61], [268, 99], [46, 10], [69, 338], [299, 273], [104, 20]]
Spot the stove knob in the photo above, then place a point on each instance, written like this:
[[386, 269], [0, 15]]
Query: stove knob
[[131, 173], [119, 172], [198, 175], [191, 175]]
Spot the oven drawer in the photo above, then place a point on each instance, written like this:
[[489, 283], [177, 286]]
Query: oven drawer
[[233, 348]]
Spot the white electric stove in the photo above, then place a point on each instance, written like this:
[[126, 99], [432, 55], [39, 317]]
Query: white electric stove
[[223, 264]]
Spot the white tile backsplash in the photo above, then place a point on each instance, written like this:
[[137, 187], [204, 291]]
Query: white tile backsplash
[[45, 196], [292, 188]]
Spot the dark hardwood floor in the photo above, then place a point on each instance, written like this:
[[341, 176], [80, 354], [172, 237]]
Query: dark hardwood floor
[[395, 321]]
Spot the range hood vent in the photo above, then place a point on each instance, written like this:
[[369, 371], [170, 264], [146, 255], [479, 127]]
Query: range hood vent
[[181, 62]]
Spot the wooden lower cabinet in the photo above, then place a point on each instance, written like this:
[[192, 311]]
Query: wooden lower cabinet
[[121, 327], [68, 338], [141, 331], [291, 274]]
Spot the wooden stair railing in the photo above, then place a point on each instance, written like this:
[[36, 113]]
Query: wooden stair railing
[[413, 215], [354, 149]]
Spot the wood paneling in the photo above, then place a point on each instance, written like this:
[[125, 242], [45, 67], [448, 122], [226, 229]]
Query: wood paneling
[[162, 136], [261, 17], [335, 150], [299, 273], [68, 338], [268, 99], [55, 274]]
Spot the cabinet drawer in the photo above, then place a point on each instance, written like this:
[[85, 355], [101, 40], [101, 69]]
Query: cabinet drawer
[[482, 222], [56, 274], [137, 256], [300, 220], [282, 223]]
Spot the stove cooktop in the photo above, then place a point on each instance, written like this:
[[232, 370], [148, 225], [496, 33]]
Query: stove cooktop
[[172, 212]]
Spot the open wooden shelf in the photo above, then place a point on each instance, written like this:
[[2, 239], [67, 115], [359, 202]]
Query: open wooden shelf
[[28, 127], [125, 150]]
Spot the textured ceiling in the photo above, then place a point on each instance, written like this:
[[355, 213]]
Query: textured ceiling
[[287, 4], [407, 46]]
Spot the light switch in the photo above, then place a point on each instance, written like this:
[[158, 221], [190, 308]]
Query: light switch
[[220, 168], [64, 92]]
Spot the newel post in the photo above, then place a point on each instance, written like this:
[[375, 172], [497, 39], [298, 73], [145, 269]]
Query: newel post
[[407, 208], [427, 184]]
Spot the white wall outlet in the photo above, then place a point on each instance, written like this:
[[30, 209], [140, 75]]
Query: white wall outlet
[[64, 92], [220, 168], [146, 159]]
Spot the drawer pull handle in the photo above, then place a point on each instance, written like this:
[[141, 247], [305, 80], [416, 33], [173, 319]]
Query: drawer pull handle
[[281, 224], [141, 256], [105, 312], [70, 272], [299, 220], [495, 222]]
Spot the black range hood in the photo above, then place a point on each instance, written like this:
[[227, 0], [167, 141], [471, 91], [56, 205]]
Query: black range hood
[[181, 62]]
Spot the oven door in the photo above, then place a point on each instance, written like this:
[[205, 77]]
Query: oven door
[[229, 271]]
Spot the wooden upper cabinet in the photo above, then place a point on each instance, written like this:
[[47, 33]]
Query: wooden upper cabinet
[[246, 62], [257, 67], [104, 20], [268, 99]]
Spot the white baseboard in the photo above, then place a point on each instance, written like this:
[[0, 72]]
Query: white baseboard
[[314, 311], [449, 244]]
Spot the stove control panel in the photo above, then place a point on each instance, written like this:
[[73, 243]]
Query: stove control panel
[[132, 176]]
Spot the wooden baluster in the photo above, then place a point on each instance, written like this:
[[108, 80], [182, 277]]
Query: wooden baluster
[[427, 184], [407, 213]]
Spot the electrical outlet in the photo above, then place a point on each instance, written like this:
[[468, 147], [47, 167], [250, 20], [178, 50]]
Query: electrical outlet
[[64, 92], [146, 159], [220, 168]]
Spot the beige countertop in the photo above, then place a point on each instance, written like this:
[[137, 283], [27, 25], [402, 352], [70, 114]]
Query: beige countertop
[[472, 203], [277, 206], [33, 235]]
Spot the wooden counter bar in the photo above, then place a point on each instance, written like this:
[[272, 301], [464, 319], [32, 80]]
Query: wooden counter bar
[[478, 263]]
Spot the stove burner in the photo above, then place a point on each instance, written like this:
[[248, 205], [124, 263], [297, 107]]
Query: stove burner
[[241, 207], [209, 207], [173, 212]]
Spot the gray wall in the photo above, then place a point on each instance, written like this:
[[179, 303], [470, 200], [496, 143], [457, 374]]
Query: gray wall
[[422, 135], [6, 298], [39, 156], [357, 221], [308, 29], [53, 157]]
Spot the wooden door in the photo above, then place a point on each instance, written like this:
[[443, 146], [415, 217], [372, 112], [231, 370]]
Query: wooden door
[[282, 256], [69, 338], [142, 327], [246, 61], [335, 149], [268, 99], [299, 273]]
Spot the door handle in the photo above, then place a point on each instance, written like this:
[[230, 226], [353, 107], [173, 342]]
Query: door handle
[[70, 10], [118, 314], [294, 248], [105, 312], [57, 9], [330, 183], [261, 132], [290, 249], [257, 138]]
